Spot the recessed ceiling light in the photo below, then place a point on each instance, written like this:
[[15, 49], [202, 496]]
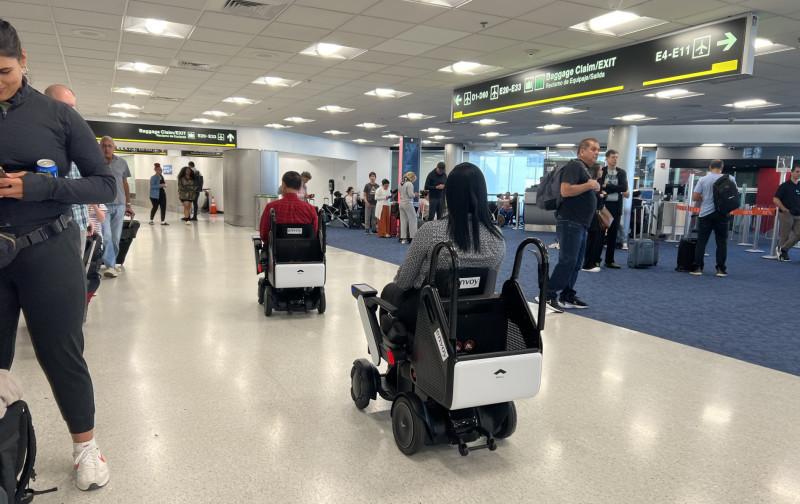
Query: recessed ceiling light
[[203, 120], [428, 142], [362, 140], [634, 118], [386, 93], [156, 27], [434, 130], [552, 127], [416, 116], [755, 103], [277, 126], [126, 106], [369, 125], [565, 145], [488, 122], [617, 24], [508, 145], [647, 145], [564, 111], [440, 137], [216, 113], [336, 51], [268, 80], [132, 91], [141, 67], [673, 94], [712, 145], [390, 135], [336, 132], [451, 4], [766, 46], [298, 120], [469, 68], [123, 114], [239, 100], [493, 134], [335, 109]]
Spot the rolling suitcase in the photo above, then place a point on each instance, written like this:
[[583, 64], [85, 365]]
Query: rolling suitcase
[[642, 252], [129, 230]]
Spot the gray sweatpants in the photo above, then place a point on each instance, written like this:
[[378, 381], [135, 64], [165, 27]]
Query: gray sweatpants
[[408, 222]]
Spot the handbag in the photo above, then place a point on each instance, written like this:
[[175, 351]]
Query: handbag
[[605, 218]]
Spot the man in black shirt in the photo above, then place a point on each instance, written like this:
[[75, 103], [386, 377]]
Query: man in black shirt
[[787, 199], [369, 203], [574, 216], [614, 182], [434, 184]]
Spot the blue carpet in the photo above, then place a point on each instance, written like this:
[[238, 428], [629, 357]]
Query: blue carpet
[[751, 315]]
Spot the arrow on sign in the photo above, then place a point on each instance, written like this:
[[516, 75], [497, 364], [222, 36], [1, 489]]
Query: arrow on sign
[[230, 137], [458, 100], [728, 41]]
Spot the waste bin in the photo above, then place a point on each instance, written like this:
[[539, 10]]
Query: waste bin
[[262, 200]]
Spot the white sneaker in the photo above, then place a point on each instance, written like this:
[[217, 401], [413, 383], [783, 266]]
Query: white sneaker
[[91, 468], [187, 223], [596, 269], [119, 268], [110, 273]]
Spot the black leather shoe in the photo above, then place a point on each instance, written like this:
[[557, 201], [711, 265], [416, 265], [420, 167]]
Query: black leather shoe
[[613, 266]]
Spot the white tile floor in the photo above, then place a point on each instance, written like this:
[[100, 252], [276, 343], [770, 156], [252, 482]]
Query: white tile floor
[[202, 399]]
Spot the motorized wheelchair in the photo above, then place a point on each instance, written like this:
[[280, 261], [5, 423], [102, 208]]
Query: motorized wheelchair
[[293, 264], [473, 352]]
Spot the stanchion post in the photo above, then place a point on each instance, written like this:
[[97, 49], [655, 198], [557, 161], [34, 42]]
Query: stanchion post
[[744, 234], [756, 234], [674, 238], [773, 244]]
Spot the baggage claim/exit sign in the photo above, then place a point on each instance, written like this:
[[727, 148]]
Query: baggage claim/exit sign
[[720, 49]]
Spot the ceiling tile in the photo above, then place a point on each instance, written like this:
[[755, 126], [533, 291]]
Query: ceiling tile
[[375, 26], [44, 39], [308, 16], [713, 15], [90, 54], [572, 39], [232, 23], [151, 42], [676, 8], [382, 57], [106, 6], [773, 6], [353, 39], [615, 4], [404, 47], [220, 37], [204, 58], [208, 47], [86, 18], [452, 54], [361, 66], [27, 26], [278, 44], [563, 14], [460, 19], [94, 34], [483, 43], [404, 71], [519, 30], [352, 6], [426, 63], [160, 11], [507, 8], [110, 46], [25, 11], [404, 11], [432, 35], [295, 32]]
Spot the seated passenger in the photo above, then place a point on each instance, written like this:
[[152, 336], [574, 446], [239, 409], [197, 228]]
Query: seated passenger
[[289, 209], [468, 225]]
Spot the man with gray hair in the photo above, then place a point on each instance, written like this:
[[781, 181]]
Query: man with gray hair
[[112, 227]]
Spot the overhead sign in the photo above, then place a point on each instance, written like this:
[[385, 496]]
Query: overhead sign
[[187, 153], [160, 134], [721, 49], [140, 150]]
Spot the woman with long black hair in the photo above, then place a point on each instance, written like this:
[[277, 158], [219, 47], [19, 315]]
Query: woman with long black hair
[[41, 268], [468, 225]]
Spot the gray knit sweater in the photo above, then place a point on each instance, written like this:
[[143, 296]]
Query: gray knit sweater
[[414, 270]]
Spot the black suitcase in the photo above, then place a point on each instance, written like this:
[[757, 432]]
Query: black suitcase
[[129, 230], [686, 250]]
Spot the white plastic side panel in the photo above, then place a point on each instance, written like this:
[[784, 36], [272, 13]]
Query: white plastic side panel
[[374, 353], [496, 379], [288, 276]]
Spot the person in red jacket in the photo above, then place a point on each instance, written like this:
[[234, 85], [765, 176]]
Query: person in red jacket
[[290, 209]]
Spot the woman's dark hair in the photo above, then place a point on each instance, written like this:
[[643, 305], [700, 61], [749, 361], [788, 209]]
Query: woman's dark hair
[[10, 45], [384, 182], [468, 207], [349, 189], [184, 171]]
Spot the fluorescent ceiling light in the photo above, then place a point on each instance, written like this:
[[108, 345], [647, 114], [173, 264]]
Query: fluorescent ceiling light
[[563, 111], [488, 122], [203, 120], [766, 46], [362, 140], [369, 125], [673, 94], [277, 126], [416, 116], [336, 51], [493, 134], [755, 103], [440, 137], [390, 135], [123, 114], [386, 93], [648, 145], [450, 4], [216, 113], [268, 80], [132, 91], [617, 24], [156, 27], [298, 120], [334, 109], [239, 100], [565, 145], [428, 142], [552, 127], [634, 118], [469, 68], [508, 145], [712, 145], [336, 132], [434, 130], [126, 106], [141, 67]]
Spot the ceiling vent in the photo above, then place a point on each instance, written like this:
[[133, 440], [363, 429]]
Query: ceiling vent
[[191, 65], [264, 10], [166, 99]]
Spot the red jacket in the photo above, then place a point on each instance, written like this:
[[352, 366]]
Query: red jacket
[[288, 210]]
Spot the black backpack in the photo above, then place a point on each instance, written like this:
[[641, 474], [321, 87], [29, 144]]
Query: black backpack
[[726, 195], [17, 455], [548, 194]]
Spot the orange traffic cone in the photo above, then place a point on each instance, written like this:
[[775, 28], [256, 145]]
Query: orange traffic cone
[[212, 208]]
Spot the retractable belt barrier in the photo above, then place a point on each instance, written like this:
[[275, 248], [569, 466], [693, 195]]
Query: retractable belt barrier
[[751, 214]]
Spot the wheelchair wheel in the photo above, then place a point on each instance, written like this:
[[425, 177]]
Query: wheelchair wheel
[[321, 303], [509, 425], [261, 288], [407, 426], [267, 301], [363, 386]]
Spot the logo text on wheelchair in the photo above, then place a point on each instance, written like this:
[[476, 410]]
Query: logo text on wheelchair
[[440, 342], [294, 231], [469, 283]]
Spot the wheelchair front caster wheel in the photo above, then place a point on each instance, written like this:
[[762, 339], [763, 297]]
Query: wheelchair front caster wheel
[[362, 383], [321, 303], [463, 449], [407, 426], [509, 425], [261, 288], [267, 302], [491, 444]]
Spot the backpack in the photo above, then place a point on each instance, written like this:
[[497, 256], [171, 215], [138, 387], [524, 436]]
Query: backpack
[[17, 454], [548, 194], [726, 195]]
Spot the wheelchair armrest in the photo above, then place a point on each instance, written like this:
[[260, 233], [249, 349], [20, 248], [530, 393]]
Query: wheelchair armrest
[[257, 242], [371, 299], [376, 301], [363, 290]]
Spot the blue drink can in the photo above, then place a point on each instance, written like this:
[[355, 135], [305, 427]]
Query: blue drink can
[[47, 166]]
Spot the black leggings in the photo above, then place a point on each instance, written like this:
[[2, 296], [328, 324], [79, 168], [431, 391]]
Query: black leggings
[[48, 284], [160, 202]]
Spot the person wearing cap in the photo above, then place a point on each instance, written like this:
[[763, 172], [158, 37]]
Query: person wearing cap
[[408, 214]]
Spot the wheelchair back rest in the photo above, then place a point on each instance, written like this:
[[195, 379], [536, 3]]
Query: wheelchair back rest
[[297, 243], [294, 231], [472, 282]]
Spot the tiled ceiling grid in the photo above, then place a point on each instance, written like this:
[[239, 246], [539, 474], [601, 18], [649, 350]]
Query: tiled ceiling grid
[[78, 42]]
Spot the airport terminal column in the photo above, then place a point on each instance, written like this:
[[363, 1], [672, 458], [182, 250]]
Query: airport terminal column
[[453, 155], [624, 139], [247, 173]]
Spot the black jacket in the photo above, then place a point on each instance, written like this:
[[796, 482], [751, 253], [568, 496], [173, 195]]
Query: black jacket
[[432, 181], [37, 127], [611, 188]]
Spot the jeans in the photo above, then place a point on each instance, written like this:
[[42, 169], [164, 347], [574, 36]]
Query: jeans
[[615, 207], [719, 224], [594, 245], [112, 230], [572, 248], [436, 210]]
